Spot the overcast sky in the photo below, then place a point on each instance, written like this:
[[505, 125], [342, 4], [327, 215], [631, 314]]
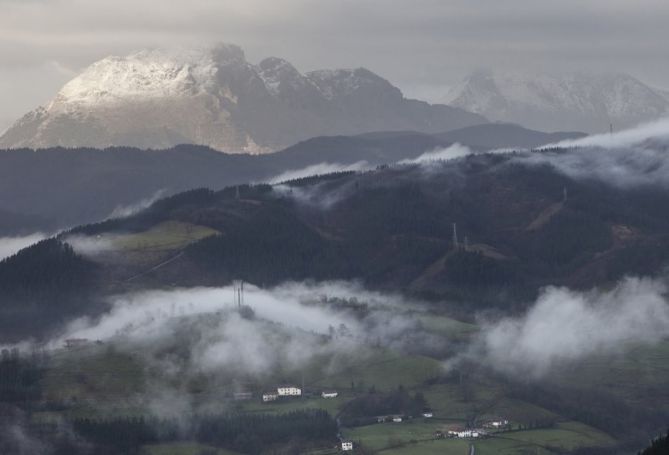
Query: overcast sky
[[423, 46]]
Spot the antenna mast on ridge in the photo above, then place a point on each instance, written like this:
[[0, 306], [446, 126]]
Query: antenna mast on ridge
[[238, 292], [455, 236]]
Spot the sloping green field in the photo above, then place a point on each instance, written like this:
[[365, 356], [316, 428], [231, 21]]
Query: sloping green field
[[170, 235]]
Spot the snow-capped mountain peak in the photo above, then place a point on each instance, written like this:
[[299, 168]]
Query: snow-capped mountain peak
[[278, 75], [552, 101], [214, 96], [145, 74], [344, 82]]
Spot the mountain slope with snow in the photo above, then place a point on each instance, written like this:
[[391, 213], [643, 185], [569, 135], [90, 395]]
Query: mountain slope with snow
[[215, 97], [550, 102]]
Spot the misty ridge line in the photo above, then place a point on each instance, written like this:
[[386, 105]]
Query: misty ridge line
[[9, 246], [317, 169], [87, 246], [629, 158], [585, 157], [658, 129], [124, 211], [637, 156]]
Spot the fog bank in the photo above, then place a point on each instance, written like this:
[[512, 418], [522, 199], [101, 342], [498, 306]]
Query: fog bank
[[9, 246], [565, 326]]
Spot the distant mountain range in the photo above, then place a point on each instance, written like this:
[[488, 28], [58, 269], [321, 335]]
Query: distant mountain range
[[56, 188], [550, 102], [215, 97]]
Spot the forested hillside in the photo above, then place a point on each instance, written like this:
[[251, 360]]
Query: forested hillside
[[518, 228]]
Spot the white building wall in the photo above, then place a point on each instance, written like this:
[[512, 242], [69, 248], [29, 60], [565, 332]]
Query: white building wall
[[289, 391]]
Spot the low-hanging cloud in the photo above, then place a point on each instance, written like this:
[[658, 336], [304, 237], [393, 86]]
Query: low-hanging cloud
[[290, 324], [318, 169], [9, 246], [658, 130], [320, 195], [123, 211], [634, 157], [565, 326], [92, 245], [442, 154]]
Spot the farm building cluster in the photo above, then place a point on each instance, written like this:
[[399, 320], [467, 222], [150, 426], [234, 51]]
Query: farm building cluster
[[466, 433], [426, 414], [283, 392], [469, 433]]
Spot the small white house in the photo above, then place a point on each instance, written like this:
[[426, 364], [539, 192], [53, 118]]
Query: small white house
[[397, 419], [498, 423], [289, 391], [269, 396], [428, 414], [465, 434], [346, 446], [329, 394]]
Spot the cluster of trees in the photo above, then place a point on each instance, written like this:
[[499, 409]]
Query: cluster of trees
[[49, 266], [124, 435], [244, 433], [274, 245], [535, 424], [472, 268], [372, 404], [252, 433], [41, 286], [659, 446], [19, 378], [595, 407], [569, 236], [318, 178]]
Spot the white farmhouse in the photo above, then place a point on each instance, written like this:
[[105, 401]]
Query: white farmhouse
[[397, 419], [346, 446], [329, 394], [465, 434], [498, 423], [289, 391]]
